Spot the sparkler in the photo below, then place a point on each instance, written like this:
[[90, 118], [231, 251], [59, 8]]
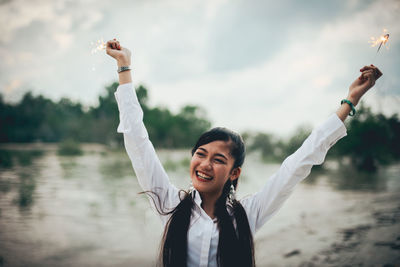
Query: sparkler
[[379, 41], [382, 40], [98, 46]]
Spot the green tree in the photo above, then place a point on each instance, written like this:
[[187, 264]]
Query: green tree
[[373, 140], [38, 118], [103, 120], [264, 142]]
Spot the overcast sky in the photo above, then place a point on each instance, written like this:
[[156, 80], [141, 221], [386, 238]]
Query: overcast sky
[[253, 65]]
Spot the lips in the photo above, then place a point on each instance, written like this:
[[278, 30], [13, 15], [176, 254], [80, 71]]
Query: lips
[[203, 176]]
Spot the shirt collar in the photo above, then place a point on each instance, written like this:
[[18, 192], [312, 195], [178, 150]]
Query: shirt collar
[[197, 199]]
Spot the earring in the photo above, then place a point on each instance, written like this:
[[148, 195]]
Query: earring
[[191, 188], [232, 193]]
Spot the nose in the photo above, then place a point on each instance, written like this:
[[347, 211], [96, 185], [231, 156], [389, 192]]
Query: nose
[[206, 164]]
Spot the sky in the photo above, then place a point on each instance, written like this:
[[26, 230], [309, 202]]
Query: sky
[[252, 65]]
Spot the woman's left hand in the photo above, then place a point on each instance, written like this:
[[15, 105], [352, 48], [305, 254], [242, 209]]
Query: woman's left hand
[[369, 74]]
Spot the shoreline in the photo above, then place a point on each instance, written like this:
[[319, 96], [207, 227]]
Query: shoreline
[[375, 242]]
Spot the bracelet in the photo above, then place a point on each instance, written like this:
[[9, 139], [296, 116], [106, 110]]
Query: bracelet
[[353, 110], [123, 68]]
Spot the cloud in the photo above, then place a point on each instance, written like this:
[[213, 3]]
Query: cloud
[[12, 86], [246, 33], [64, 40], [19, 13], [259, 65], [295, 84], [58, 20]]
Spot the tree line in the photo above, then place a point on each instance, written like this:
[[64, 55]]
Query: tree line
[[39, 119], [373, 139]]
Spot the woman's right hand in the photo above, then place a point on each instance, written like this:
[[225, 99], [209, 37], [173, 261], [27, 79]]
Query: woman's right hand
[[121, 54]]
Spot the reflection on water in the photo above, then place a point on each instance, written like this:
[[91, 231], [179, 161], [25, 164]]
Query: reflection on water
[[115, 167], [348, 178], [26, 189], [8, 158], [18, 163], [84, 210]]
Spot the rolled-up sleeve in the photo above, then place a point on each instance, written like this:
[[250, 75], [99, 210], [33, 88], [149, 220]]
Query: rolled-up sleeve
[[148, 168], [261, 206]]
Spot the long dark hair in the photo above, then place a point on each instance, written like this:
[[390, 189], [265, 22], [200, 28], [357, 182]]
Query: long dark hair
[[235, 245]]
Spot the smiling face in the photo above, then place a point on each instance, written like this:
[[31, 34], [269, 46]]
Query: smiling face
[[211, 167]]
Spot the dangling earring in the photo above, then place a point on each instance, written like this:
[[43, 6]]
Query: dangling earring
[[232, 193], [191, 188]]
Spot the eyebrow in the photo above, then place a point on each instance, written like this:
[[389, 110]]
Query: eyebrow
[[217, 154]]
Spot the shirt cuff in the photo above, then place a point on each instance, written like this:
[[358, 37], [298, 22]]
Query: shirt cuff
[[126, 96], [130, 112], [125, 91], [333, 129]]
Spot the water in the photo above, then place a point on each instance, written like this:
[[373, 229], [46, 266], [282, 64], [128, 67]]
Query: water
[[85, 211]]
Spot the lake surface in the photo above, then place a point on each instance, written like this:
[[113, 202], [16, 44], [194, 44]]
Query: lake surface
[[85, 211]]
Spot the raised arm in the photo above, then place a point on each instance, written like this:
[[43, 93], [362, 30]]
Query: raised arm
[[149, 171], [261, 206]]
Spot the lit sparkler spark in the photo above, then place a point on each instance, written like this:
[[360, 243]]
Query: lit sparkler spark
[[98, 46], [382, 40]]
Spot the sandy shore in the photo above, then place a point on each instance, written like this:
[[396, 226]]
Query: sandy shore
[[373, 243]]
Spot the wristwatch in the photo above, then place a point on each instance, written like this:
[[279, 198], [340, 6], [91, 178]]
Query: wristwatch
[[123, 68]]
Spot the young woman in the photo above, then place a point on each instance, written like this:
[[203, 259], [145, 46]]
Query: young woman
[[207, 226]]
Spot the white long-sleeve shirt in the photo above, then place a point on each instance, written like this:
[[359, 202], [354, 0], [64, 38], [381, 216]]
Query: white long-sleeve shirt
[[203, 231]]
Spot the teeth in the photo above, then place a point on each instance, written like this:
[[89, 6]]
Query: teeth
[[203, 175]]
